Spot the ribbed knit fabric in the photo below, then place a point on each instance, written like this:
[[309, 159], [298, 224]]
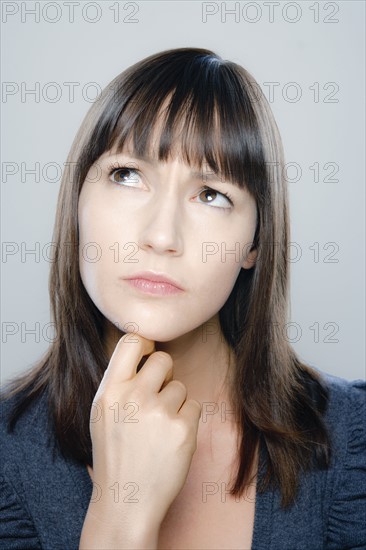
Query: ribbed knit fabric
[[44, 498]]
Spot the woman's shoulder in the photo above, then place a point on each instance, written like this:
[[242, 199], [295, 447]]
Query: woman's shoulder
[[22, 427], [340, 386], [34, 475], [21, 445], [346, 402], [330, 506], [345, 414], [36, 406], [345, 418]]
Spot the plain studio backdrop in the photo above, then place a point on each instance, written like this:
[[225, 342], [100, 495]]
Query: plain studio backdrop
[[308, 57]]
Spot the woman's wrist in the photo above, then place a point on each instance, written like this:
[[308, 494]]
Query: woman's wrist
[[125, 534]]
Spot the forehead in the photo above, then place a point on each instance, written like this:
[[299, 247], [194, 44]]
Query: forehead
[[173, 131], [154, 142], [179, 133], [150, 155]]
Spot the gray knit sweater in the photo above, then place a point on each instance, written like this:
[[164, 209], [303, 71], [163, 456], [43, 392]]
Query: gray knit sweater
[[44, 498]]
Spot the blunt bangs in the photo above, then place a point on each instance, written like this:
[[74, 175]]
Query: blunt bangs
[[191, 103], [196, 104]]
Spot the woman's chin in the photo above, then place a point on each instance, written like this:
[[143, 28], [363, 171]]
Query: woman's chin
[[162, 337], [157, 335], [152, 328]]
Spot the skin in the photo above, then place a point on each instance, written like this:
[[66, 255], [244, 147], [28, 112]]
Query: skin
[[164, 222], [163, 212]]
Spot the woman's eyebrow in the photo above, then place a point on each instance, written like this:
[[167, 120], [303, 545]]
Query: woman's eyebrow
[[204, 175]]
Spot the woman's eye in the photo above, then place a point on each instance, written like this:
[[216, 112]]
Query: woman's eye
[[124, 175], [210, 196]]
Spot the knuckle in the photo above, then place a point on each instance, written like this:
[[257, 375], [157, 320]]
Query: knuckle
[[180, 385], [105, 392], [182, 430], [159, 413], [137, 393], [163, 357], [197, 405], [185, 439]]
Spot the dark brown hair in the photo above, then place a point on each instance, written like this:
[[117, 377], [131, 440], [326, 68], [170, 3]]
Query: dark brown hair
[[279, 401]]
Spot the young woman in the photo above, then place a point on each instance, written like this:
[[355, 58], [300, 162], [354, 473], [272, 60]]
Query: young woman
[[171, 411]]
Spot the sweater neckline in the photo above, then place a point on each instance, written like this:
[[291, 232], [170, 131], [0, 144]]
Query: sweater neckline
[[263, 504]]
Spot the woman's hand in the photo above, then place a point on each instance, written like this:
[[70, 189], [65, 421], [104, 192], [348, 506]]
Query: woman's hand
[[144, 434]]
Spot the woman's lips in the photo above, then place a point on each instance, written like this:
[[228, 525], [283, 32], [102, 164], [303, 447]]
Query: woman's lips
[[153, 282]]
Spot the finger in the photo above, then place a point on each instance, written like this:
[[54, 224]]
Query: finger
[[173, 395], [156, 372], [168, 378], [126, 356], [191, 411]]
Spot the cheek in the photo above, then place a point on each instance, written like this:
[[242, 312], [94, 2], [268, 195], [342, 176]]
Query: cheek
[[209, 266], [215, 277], [95, 247]]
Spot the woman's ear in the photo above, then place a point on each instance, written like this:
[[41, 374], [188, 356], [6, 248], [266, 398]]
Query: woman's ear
[[250, 259]]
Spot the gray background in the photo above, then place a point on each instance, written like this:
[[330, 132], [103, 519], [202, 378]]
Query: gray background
[[311, 52]]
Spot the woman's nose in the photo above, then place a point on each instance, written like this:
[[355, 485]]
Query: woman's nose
[[162, 226]]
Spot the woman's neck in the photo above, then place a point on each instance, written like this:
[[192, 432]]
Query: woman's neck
[[201, 360]]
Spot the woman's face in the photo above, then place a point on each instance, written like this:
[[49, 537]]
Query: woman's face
[[155, 216]]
